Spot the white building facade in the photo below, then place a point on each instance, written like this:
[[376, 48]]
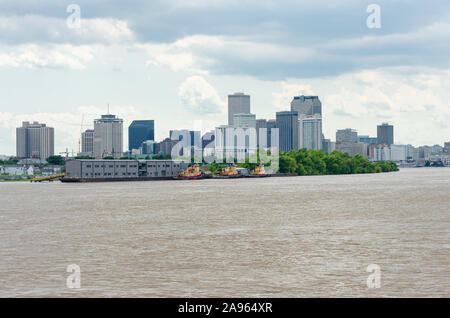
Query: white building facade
[[310, 131], [108, 137]]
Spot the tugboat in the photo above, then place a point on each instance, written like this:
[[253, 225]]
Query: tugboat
[[258, 172], [228, 172], [192, 172], [206, 174]]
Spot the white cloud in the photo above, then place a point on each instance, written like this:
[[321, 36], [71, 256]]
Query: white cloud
[[415, 100], [200, 53], [282, 99], [176, 56], [48, 56], [43, 42], [40, 29], [270, 57], [436, 33], [200, 96]]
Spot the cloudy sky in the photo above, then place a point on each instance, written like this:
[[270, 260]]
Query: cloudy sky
[[176, 61]]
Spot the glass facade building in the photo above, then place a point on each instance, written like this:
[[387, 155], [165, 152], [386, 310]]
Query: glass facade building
[[311, 132], [140, 131], [287, 123]]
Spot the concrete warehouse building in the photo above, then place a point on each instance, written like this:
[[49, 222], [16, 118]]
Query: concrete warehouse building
[[91, 169]]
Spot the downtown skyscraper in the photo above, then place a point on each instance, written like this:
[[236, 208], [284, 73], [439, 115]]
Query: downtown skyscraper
[[287, 123], [34, 140], [310, 131], [140, 131], [385, 134], [306, 105], [108, 136], [238, 103], [309, 109], [87, 143]]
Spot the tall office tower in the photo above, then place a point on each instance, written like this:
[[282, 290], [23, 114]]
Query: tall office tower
[[346, 135], [35, 140], [261, 124], [140, 131], [271, 123], [310, 132], [306, 105], [21, 141], [385, 134], [238, 103], [108, 136], [287, 123], [87, 142], [244, 120]]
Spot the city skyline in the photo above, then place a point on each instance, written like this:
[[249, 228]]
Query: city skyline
[[89, 137], [363, 76], [164, 134]]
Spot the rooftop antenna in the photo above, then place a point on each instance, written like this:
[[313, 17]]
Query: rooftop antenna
[[108, 109]]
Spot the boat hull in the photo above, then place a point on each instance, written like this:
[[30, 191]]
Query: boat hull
[[258, 175], [189, 178], [228, 177]]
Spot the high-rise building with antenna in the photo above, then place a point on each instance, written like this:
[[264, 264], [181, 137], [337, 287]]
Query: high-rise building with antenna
[[108, 136]]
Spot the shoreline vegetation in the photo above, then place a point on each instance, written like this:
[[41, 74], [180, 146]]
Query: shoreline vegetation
[[317, 162], [306, 162]]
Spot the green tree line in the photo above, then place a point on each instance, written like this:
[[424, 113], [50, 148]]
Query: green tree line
[[316, 162]]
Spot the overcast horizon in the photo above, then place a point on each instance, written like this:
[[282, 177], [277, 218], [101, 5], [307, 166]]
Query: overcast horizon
[[176, 62]]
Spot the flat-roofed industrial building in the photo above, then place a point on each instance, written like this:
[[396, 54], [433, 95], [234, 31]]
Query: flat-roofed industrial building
[[91, 169]]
